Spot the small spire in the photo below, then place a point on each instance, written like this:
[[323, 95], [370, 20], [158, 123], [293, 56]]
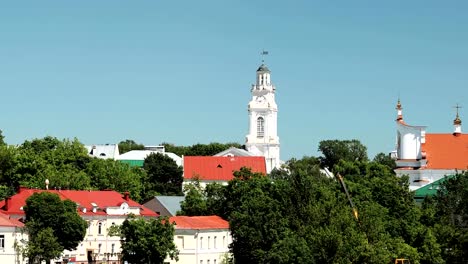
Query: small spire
[[398, 105], [457, 120], [399, 110]]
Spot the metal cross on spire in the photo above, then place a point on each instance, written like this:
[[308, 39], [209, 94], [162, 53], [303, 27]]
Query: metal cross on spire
[[264, 53], [457, 107]]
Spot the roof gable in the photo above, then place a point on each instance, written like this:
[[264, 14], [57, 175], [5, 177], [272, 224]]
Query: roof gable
[[232, 151], [5, 220], [220, 168], [446, 151]]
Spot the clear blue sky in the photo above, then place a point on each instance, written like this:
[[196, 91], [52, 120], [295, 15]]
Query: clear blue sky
[[180, 71]]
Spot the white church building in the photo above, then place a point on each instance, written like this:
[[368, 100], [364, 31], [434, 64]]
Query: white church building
[[428, 157]]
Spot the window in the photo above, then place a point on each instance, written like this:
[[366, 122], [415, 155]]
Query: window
[[100, 228], [2, 241], [214, 261], [99, 247], [208, 245], [181, 241], [208, 262], [201, 242], [113, 248], [201, 261], [89, 228], [214, 243], [260, 127], [224, 241]]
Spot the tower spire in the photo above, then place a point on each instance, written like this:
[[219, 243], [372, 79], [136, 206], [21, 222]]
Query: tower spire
[[457, 122], [399, 110]]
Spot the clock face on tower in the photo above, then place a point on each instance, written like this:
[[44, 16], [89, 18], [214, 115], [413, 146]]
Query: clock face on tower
[[260, 99]]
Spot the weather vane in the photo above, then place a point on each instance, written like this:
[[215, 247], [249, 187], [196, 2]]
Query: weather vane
[[263, 53]]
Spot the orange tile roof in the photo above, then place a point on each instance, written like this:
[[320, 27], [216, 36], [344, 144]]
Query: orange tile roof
[[102, 199], [220, 168], [5, 220], [199, 222], [446, 151]]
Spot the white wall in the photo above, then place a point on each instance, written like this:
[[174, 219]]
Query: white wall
[[202, 246], [11, 235]]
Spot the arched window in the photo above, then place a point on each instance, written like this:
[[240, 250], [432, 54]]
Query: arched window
[[100, 228], [260, 127]]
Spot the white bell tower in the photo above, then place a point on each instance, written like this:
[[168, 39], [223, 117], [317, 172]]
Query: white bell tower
[[263, 139]]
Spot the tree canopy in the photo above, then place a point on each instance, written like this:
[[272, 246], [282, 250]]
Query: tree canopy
[[147, 240], [336, 150], [163, 176], [199, 149], [299, 215], [129, 144], [52, 222]]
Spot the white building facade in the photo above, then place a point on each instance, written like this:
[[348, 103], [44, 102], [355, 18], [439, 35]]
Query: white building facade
[[12, 239], [201, 239], [262, 139]]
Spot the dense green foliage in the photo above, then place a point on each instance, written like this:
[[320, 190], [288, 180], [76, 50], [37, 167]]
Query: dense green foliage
[[53, 223], [67, 165], [128, 144], [298, 215], [446, 215], [147, 240], [295, 215], [199, 149], [335, 150], [163, 176]]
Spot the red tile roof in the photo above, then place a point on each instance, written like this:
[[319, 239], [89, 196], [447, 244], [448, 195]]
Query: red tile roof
[[220, 168], [103, 200], [199, 222], [446, 151], [5, 220]]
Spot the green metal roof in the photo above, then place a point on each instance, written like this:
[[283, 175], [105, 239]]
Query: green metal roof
[[430, 189], [133, 163]]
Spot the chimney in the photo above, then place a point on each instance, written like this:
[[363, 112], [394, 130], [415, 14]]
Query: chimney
[[126, 196]]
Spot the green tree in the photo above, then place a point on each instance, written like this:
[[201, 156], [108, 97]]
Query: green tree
[[128, 144], [61, 161], [8, 164], [305, 217], [203, 201], [336, 150], [45, 210], [199, 149], [194, 203], [2, 139], [147, 240], [448, 210], [384, 159], [163, 176], [43, 246], [115, 175]]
